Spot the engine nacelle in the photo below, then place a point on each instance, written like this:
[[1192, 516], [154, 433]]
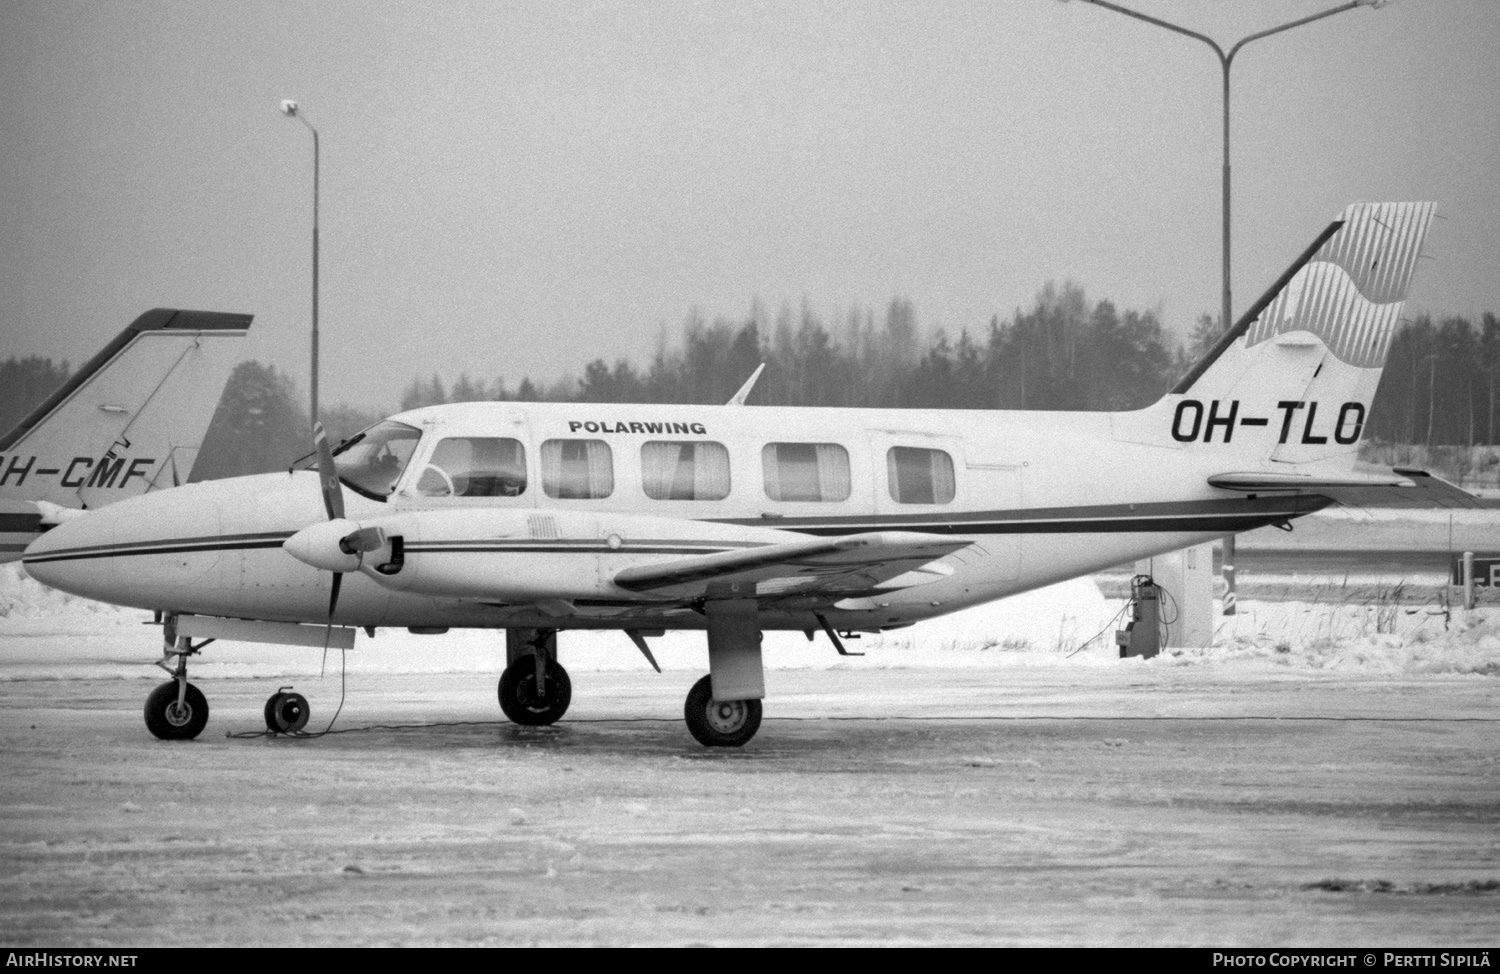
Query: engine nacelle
[[526, 555]]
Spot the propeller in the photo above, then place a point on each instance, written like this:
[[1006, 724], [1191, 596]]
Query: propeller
[[328, 475], [338, 544]]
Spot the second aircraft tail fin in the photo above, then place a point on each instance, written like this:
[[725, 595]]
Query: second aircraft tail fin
[[131, 418]]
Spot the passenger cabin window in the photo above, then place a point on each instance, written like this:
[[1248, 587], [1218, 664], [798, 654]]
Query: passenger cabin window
[[806, 471], [918, 476], [372, 461], [475, 466], [685, 471], [577, 469]]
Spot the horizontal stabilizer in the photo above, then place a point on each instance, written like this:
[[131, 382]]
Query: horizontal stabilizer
[[1400, 488], [835, 566]]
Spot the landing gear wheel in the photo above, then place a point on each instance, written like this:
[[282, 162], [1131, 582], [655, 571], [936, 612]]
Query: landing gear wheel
[[520, 700], [173, 721], [719, 723], [286, 713]]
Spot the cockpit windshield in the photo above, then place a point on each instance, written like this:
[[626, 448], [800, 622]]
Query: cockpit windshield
[[372, 461]]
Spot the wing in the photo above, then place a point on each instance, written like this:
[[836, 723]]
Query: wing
[[836, 567], [1400, 488]]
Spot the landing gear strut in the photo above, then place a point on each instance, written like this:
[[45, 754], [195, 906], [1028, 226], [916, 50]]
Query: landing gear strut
[[534, 689], [176, 710], [719, 723]]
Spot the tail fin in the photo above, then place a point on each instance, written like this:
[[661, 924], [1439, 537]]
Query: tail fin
[[1293, 379], [131, 419]]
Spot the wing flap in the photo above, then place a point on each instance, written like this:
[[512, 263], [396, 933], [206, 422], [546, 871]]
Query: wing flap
[[1402, 487], [835, 566]]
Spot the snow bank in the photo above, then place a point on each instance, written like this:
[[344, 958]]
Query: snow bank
[[26, 603], [45, 634], [1380, 637]]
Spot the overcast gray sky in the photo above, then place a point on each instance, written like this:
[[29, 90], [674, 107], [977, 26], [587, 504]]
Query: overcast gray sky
[[517, 188]]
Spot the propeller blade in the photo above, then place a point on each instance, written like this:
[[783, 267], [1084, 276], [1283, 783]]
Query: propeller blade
[[333, 595], [328, 475]]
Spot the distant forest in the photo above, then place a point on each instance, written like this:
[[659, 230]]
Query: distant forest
[[1064, 352]]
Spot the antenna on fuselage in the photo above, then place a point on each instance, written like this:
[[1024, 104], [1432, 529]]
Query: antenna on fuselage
[[738, 399]]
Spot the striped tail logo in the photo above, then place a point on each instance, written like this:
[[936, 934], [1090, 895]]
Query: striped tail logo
[[1351, 292]]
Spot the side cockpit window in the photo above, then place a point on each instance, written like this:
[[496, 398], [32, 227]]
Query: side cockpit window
[[475, 466], [371, 462]]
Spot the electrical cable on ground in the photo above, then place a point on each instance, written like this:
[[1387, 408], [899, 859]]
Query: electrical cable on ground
[[1084, 645], [899, 718]]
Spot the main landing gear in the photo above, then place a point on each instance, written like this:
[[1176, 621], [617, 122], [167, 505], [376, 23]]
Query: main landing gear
[[719, 723], [722, 710], [534, 689]]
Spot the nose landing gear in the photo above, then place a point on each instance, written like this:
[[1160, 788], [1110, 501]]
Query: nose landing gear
[[174, 719], [176, 710]]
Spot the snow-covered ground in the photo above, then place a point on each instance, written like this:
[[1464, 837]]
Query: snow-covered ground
[[45, 634], [1325, 774]]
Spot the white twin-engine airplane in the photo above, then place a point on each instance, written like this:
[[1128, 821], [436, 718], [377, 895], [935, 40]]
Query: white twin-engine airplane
[[540, 517]]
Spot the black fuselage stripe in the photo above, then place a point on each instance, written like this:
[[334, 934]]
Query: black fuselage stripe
[[449, 547], [1155, 525], [85, 554], [261, 539], [964, 522], [1189, 517], [1218, 523]]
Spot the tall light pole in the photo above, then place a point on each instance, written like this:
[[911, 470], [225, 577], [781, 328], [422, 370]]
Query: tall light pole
[[289, 109], [1225, 62]]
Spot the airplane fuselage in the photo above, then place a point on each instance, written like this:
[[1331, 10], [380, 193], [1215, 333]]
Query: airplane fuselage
[[596, 489]]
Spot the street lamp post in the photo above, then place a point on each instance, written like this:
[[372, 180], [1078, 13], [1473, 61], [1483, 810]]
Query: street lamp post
[[1225, 62], [289, 108]]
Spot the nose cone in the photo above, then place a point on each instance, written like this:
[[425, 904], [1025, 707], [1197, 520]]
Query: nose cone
[[147, 551], [62, 556]]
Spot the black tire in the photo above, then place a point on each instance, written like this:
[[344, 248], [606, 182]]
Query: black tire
[[169, 722], [286, 713], [519, 699], [719, 723]]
